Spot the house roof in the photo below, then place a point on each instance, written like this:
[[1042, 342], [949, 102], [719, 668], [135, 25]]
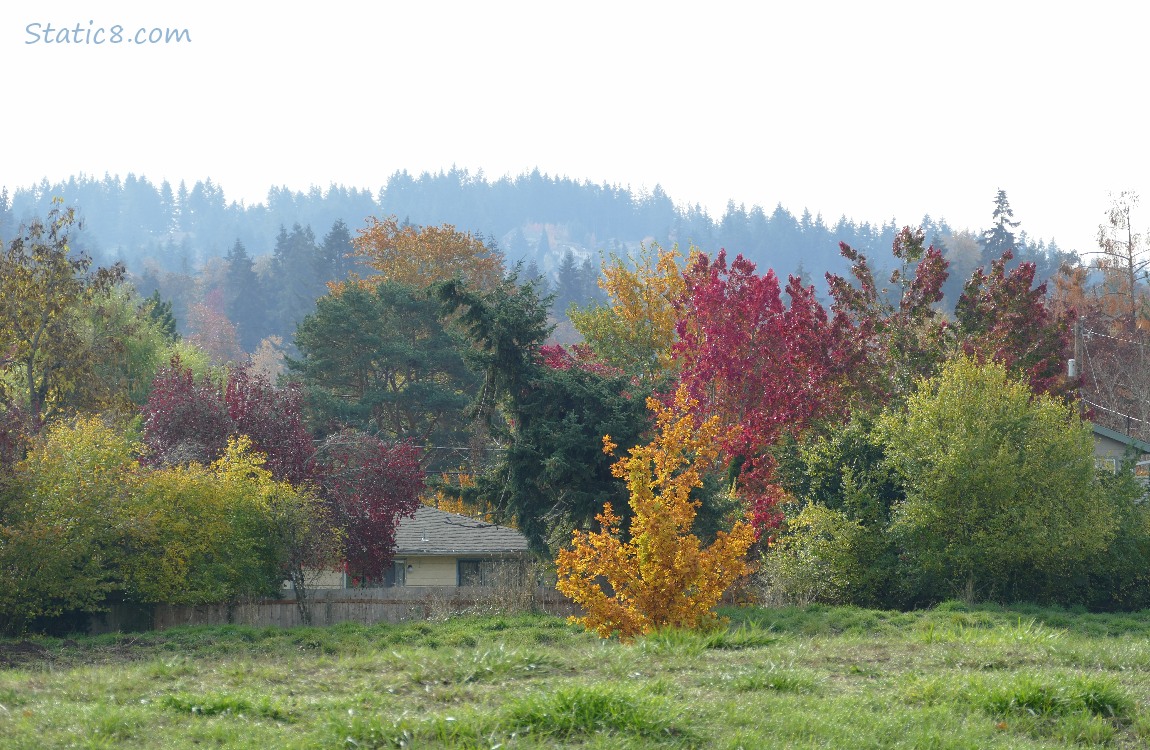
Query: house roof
[[1137, 444], [435, 532]]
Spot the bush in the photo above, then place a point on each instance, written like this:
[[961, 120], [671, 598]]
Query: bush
[[821, 556], [1002, 499]]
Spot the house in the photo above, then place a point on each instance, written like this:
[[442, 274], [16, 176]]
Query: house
[[1112, 448], [437, 548]]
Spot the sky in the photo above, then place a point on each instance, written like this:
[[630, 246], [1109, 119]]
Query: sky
[[876, 111]]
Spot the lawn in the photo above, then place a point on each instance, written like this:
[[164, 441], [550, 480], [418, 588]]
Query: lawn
[[832, 677]]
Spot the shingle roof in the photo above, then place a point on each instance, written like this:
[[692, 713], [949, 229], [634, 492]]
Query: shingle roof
[[1121, 438], [436, 532]]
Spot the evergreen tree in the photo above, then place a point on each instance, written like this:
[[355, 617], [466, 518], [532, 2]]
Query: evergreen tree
[[244, 300], [1000, 237], [292, 275], [334, 260]]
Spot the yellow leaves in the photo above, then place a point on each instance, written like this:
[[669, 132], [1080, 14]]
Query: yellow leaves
[[661, 577], [421, 256], [637, 330]]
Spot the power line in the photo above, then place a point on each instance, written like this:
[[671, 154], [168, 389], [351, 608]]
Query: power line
[[1113, 411]]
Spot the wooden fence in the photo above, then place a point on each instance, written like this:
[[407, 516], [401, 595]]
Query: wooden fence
[[331, 606]]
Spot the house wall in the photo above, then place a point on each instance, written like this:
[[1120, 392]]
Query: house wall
[[431, 571], [1105, 447], [324, 579]]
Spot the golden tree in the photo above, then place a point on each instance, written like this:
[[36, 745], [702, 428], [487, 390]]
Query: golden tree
[[636, 331], [421, 256], [661, 576]]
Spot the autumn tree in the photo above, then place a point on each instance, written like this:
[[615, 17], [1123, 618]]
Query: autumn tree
[[369, 486], [1124, 258], [1005, 317], [189, 419], [1002, 315], [85, 523], [657, 575], [763, 367], [901, 334], [43, 288], [272, 418], [635, 330], [421, 256], [185, 419]]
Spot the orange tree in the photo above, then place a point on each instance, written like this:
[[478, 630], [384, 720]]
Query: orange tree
[[661, 576], [421, 256]]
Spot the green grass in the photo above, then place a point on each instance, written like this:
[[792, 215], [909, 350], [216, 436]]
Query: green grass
[[957, 676]]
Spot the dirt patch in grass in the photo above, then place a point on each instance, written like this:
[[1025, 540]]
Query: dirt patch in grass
[[19, 653]]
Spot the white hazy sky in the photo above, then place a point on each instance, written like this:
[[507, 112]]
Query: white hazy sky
[[873, 110]]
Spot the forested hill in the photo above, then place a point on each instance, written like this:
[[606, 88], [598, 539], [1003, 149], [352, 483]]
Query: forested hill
[[533, 217]]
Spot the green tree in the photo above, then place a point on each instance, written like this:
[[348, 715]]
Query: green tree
[[551, 476], [43, 288], [379, 359], [292, 275], [1000, 485]]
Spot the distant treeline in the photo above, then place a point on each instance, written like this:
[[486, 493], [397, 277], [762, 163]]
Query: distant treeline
[[133, 219]]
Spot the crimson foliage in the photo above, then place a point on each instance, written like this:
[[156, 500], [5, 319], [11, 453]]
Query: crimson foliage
[[370, 485], [765, 367], [185, 419], [272, 418], [190, 420]]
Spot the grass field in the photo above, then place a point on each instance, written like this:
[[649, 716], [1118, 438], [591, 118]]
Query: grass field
[[953, 677]]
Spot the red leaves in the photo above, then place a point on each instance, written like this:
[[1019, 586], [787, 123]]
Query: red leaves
[[273, 418], [764, 367], [184, 420], [369, 485], [1004, 320], [189, 420], [577, 356]]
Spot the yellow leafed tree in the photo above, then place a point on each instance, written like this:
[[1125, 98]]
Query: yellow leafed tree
[[421, 256], [636, 331], [662, 576]]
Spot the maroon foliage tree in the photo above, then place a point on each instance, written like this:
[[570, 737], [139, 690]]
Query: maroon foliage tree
[[370, 485], [901, 334], [273, 418], [1004, 318], [185, 419], [191, 420]]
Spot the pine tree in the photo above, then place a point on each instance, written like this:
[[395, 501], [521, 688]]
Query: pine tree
[[1000, 237], [244, 299]]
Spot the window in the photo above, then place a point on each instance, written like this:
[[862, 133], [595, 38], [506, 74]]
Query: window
[[490, 572], [396, 575]]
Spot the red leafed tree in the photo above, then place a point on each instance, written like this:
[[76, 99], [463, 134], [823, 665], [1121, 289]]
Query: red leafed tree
[[902, 335], [370, 485], [763, 366], [1004, 318], [273, 418], [191, 420], [185, 419]]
